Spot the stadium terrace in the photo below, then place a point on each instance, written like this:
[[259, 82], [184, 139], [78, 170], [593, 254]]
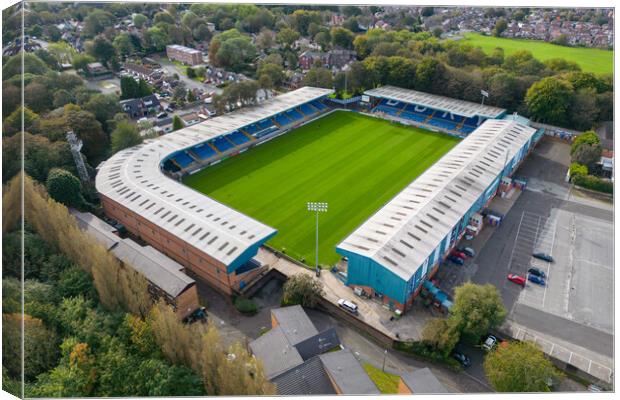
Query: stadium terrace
[[390, 255]]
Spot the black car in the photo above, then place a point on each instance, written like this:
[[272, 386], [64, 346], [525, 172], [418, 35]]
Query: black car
[[199, 314], [543, 256], [537, 271], [461, 358]]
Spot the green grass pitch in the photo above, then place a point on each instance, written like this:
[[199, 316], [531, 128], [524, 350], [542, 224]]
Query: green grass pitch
[[590, 60], [353, 162]]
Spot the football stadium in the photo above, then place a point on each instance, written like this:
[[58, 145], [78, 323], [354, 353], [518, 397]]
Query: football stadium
[[402, 172]]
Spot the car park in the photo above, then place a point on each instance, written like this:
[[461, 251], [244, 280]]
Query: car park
[[349, 306], [519, 280], [456, 260], [536, 279], [543, 256], [461, 358], [489, 343], [468, 251], [537, 271]]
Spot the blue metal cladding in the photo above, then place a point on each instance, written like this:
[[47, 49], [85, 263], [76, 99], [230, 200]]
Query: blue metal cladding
[[364, 271], [247, 254]]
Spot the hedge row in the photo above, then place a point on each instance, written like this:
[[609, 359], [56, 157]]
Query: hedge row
[[420, 349], [593, 183]]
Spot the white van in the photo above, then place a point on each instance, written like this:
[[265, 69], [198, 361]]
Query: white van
[[348, 305]]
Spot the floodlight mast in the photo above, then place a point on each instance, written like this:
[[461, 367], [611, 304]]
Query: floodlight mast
[[317, 208]]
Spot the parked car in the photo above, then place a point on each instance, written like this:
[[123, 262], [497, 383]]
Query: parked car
[[200, 314], [459, 254], [456, 260], [519, 280], [537, 271], [489, 343], [536, 279], [349, 306], [543, 256], [162, 115], [461, 358], [468, 250]]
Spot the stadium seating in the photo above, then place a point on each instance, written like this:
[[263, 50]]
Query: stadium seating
[[294, 115], [318, 105], [457, 119], [251, 129], [265, 132], [306, 109], [413, 116], [439, 123], [237, 138], [204, 151], [222, 144], [282, 120], [467, 129], [264, 124], [182, 159], [473, 121]]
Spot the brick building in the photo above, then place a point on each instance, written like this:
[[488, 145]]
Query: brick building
[[184, 54]]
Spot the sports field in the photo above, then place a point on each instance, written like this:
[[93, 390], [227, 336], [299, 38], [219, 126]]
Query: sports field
[[353, 162], [589, 59]]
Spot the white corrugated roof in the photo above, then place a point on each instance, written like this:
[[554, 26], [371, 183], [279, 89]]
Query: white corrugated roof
[[402, 234], [133, 178], [455, 106]]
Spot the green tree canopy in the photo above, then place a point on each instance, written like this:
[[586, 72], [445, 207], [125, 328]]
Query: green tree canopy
[[519, 367], [65, 188], [32, 64], [139, 20], [302, 289], [177, 123], [549, 99], [125, 135], [478, 309], [442, 334]]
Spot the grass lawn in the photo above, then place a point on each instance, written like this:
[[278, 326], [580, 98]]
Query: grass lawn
[[591, 60], [386, 383], [353, 162]]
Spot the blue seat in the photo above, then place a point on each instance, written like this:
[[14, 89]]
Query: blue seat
[[222, 144], [204, 151], [183, 159], [306, 109], [251, 129], [467, 129], [472, 121], [265, 132], [319, 105], [282, 119], [237, 138], [264, 125], [293, 115]]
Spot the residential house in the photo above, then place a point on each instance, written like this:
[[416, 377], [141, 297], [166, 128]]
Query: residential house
[[190, 119], [339, 58], [96, 70], [137, 108], [307, 59], [184, 54]]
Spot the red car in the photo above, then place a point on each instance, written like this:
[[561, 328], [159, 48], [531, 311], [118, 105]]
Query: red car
[[519, 280], [459, 254]]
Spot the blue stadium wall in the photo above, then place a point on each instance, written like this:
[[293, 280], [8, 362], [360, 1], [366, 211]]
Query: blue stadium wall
[[364, 271]]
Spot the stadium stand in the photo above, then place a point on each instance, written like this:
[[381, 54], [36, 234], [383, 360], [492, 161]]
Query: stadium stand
[[222, 144], [294, 115], [307, 110], [203, 151], [318, 105], [237, 138], [282, 120], [183, 159]]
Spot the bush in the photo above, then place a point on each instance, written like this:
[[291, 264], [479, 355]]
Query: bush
[[245, 306], [594, 183], [302, 289], [577, 169], [422, 350]]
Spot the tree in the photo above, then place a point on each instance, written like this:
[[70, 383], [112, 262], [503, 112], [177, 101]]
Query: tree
[[519, 367], [273, 71], [123, 44], [37, 97], [32, 64], [587, 154], [427, 11], [191, 73], [478, 308], [96, 22], [583, 110], [264, 40], [442, 334], [104, 107], [125, 135], [61, 98], [549, 99], [302, 289], [342, 37], [589, 137], [40, 346], [323, 39], [561, 40], [13, 123], [156, 39], [500, 26], [287, 37], [86, 126], [80, 61], [177, 123], [427, 73], [139, 20], [163, 16], [102, 49], [577, 169], [65, 188], [48, 58], [319, 77]]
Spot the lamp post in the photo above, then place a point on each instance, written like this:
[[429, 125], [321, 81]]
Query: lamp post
[[384, 356], [317, 208]]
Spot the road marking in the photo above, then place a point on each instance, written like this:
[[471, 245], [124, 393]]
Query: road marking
[[589, 366]]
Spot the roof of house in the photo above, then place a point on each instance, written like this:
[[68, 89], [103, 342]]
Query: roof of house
[[155, 266], [308, 378], [133, 177], [183, 48], [347, 373], [189, 117], [455, 106], [294, 323], [276, 353], [405, 231], [423, 381], [318, 344]]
